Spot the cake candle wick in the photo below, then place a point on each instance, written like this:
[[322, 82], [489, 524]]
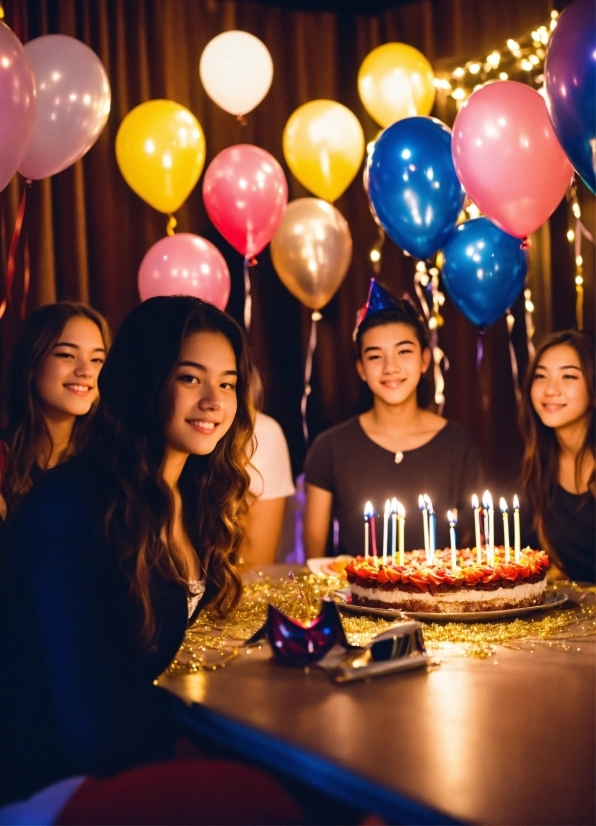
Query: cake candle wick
[[505, 513], [476, 506]]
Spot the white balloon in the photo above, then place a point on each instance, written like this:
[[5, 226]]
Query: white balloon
[[236, 70]]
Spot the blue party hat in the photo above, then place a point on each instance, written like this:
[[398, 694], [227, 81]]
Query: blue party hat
[[378, 299]]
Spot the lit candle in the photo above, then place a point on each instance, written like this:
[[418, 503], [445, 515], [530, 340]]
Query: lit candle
[[476, 506], [452, 523], [373, 537], [516, 529], [505, 513], [394, 504], [401, 515], [422, 506], [386, 529], [368, 515], [432, 529], [487, 504]]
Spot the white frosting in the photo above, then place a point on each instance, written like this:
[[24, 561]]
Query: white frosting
[[518, 592]]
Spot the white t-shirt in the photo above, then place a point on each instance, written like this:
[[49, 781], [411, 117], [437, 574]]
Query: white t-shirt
[[272, 461]]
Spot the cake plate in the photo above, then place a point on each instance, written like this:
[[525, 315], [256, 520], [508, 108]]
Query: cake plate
[[552, 600]]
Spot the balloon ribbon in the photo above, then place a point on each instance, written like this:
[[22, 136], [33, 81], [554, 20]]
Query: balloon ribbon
[[11, 263], [479, 349], [423, 281], [513, 357], [171, 225], [312, 346], [249, 261]]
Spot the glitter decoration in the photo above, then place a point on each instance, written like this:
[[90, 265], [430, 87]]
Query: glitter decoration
[[212, 643]]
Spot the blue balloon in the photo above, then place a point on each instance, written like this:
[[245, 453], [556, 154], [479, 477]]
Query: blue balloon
[[570, 85], [412, 185], [484, 270]]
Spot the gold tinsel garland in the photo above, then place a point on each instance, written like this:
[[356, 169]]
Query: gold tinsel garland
[[212, 643]]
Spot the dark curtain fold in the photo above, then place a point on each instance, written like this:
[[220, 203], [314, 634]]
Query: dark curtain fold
[[87, 231]]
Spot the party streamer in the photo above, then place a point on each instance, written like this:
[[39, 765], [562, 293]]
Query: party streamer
[[423, 282], [249, 261]]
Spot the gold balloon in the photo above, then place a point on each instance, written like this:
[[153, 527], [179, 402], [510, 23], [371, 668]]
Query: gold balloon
[[312, 250], [395, 81], [323, 144], [160, 149]]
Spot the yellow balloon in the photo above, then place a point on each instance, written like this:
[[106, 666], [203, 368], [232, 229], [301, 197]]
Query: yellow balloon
[[323, 144], [160, 149], [395, 81]]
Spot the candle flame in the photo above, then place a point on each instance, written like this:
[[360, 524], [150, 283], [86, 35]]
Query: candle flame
[[515, 503], [503, 505], [475, 502], [428, 503], [387, 507], [487, 500], [394, 504], [452, 518], [369, 511], [421, 503], [401, 510]]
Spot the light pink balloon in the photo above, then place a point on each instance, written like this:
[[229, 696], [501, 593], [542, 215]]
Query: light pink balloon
[[185, 264], [245, 193], [17, 104], [73, 103], [508, 158]]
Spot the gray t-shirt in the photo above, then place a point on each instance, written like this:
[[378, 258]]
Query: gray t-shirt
[[344, 461]]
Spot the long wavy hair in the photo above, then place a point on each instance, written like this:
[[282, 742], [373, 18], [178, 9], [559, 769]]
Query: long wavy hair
[[26, 434], [540, 468], [127, 438]]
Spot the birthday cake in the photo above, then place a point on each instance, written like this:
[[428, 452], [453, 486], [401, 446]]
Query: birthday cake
[[438, 587]]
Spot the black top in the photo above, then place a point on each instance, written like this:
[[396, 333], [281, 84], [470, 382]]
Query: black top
[[77, 693], [344, 461], [571, 530]]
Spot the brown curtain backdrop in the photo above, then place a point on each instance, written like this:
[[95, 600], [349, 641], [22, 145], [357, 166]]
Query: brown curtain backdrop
[[87, 231]]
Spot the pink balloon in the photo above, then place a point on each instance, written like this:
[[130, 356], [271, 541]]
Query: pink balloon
[[245, 194], [73, 103], [17, 104], [185, 264], [508, 158]]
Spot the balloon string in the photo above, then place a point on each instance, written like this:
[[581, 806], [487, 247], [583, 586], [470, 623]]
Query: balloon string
[[14, 243], [248, 262], [312, 346], [513, 356], [241, 120], [171, 225], [479, 350], [26, 279], [423, 282]]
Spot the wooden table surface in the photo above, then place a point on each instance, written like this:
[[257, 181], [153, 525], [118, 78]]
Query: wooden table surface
[[507, 739]]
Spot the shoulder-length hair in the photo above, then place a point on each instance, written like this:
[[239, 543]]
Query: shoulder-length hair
[[127, 437], [540, 466], [26, 434]]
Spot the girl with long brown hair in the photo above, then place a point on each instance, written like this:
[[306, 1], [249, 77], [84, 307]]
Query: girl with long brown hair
[[557, 423], [51, 389], [109, 553]]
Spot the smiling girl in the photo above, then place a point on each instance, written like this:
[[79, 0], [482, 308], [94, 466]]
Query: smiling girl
[[395, 449], [557, 422], [111, 553], [52, 387]]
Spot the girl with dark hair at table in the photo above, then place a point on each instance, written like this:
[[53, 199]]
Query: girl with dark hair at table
[[108, 557], [557, 422], [51, 389], [398, 448]]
